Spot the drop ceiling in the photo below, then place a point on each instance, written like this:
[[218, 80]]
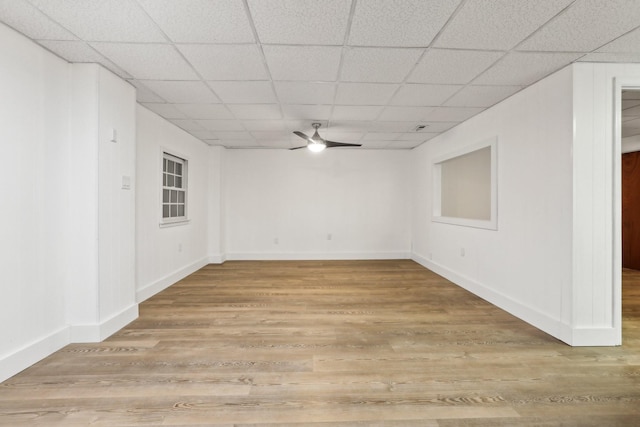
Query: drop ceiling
[[247, 73]]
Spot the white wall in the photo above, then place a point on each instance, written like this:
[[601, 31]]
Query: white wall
[[67, 251], [298, 198], [101, 289], [116, 200], [525, 266], [597, 260], [34, 141], [166, 254]]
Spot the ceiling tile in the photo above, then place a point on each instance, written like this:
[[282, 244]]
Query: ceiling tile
[[231, 135], [497, 24], [411, 23], [226, 62], [349, 125], [249, 92], [319, 63], [221, 125], [611, 57], [314, 22], [201, 21], [278, 144], [143, 93], [437, 127], [213, 142], [521, 69], [182, 92], [168, 111], [348, 112], [304, 126], [381, 136], [627, 43], [452, 114], [103, 20], [271, 135], [188, 125], [78, 51], [205, 111], [148, 61], [444, 66], [417, 136], [384, 126], [340, 136], [404, 145], [404, 114], [25, 18], [378, 64], [263, 125], [424, 94], [237, 143], [305, 92], [364, 93], [256, 111], [585, 25], [307, 112], [481, 96], [203, 134], [375, 144]]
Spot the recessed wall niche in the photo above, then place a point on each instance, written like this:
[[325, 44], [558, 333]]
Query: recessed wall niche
[[465, 186]]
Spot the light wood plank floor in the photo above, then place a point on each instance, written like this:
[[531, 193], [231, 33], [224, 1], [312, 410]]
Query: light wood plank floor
[[330, 344]]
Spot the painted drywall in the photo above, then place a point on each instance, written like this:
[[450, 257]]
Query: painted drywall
[[166, 254], [116, 199], [525, 266], [68, 245], [101, 290], [337, 204], [34, 226]]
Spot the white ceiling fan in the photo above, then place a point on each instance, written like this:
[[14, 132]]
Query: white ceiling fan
[[316, 143]]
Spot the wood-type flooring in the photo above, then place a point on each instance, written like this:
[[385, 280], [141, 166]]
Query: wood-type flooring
[[330, 344]]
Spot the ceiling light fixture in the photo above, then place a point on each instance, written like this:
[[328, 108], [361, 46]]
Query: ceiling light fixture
[[316, 146], [316, 143]]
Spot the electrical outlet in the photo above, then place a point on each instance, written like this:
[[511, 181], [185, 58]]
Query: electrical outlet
[[462, 252], [329, 236], [276, 241]]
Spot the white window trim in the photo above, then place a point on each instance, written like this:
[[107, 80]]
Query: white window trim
[[173, 222], [492, 223]]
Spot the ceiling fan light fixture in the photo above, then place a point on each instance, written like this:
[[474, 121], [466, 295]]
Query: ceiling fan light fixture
[[316, 147], [316, 143]]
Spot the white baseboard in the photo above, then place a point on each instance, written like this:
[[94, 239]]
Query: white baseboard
[[33, 352], [596, 337], [574, 336], [161, 284], [313, 256], [100, 331], [542, 321], [217, 258]]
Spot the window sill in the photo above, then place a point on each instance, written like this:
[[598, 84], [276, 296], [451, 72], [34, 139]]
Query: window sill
[[174, 223]]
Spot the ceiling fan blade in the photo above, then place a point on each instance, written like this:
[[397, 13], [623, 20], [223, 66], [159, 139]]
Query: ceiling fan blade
[[341, 144], [303, 136], [297, 148]]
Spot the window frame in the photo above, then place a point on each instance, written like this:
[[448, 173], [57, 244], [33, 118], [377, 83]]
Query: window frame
[[177, 158], [492, 222]]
